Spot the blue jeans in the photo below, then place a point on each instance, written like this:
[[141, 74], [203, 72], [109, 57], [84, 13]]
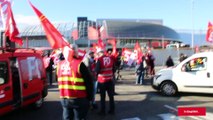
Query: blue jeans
[[75, 109], [140, 78], [95, 83]]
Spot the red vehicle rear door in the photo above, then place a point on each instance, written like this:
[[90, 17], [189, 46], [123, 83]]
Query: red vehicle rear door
[[32, 85], [6, 92]]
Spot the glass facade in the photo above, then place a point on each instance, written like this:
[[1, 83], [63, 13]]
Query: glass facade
[[127, 32]]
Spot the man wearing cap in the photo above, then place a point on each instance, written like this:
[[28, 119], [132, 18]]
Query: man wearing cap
[[75, 86], [105, 70]]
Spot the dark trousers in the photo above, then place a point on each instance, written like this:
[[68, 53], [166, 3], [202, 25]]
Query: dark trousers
[[107, 87], [75, 109], [50, 76]]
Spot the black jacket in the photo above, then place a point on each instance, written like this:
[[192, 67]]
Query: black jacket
[[87, 79]]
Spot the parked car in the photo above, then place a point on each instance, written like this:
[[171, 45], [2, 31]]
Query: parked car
[[194, 74], [22, 79]]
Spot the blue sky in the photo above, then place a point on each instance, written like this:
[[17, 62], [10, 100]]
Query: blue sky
[[176, 14]]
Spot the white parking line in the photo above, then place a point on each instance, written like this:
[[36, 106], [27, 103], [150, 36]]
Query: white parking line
[[171, 108], [135, 118], [169, 116]]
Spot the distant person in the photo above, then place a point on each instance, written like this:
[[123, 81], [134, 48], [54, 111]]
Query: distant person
[[182, 57], [169, 62], [118, 67], [49, 69], [140, 70], [151, 59]]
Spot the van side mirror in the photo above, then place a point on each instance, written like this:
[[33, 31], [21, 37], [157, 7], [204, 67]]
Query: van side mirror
[[1, 81]]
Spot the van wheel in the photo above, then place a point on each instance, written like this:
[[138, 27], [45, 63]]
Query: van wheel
[[38, 103], [168, 89]]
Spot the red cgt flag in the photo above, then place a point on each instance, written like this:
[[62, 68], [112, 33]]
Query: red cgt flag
[[11, 30], [209, 34], [55, 39], [101, 44], [103, 32], [113, 43], [92, 33], [74, 34], [138, 51]]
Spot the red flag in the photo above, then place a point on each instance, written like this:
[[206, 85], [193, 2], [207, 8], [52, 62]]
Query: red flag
[[27, 42], [138, 51], [113, 43], [209, 34], [92, 33], [95, 47], [103, 32], [74, 34], [55, 39], [101, 44], [11, 30]]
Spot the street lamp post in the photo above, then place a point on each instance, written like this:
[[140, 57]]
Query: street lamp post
[[192, 17]]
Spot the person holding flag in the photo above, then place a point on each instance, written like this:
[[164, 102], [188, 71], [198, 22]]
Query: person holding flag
[[74, 81], [75, 86]]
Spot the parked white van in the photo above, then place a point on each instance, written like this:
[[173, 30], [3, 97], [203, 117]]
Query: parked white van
[[194, 74]]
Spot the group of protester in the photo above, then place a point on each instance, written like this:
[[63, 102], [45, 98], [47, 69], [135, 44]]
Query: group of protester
[[79, 79], [145, 67]]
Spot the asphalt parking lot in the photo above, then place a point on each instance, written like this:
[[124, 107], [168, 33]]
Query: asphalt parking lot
[[133, 102]]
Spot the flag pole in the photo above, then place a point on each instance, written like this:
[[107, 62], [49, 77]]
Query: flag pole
[[162, 38], [27, 44], [87, 35], [72, 36]]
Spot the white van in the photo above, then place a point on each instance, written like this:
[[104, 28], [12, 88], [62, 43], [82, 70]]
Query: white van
[[194, 74], [171, 46]]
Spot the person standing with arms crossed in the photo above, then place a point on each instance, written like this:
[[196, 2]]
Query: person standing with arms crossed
[[105, 70], [75, 86]]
